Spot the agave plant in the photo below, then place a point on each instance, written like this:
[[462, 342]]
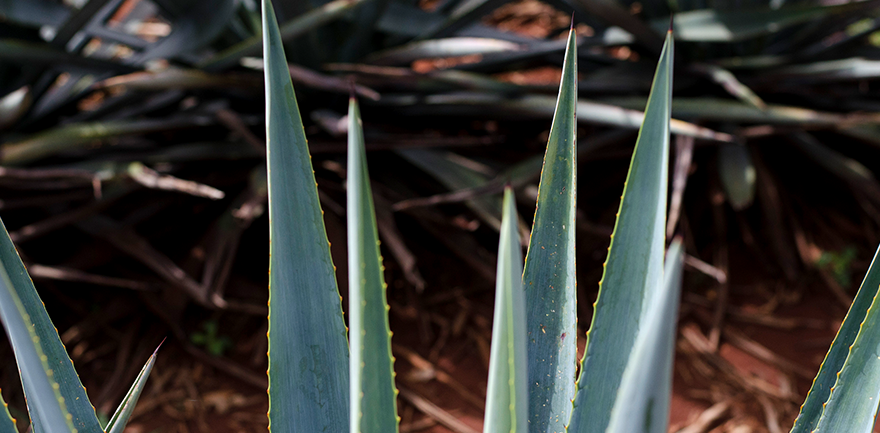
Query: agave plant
[[625, 378], [322, 378]]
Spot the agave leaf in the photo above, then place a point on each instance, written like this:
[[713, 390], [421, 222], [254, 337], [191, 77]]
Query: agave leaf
[[525, 171], [291, 29], [589, 112], [70, 388], [456, 176], [373, 395], [46, 404], [448, 47], [738, 174], [851, 402], [7, 423], [76, 22], [177, 79], [196, 28], [549, 278], [838, 353], [711, 25], [308, 366], [832, 70], [506, 393], [642, 402], [78, 135], [860, 178], [126, 408], [727, 110], [733, 86], [22, 52], [625, 288]]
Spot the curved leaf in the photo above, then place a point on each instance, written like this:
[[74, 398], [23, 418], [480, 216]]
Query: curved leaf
[[506, 398], [634, 263], [308, 362], [837, 354], [642, 403], [549, 278], [46, 405], [70, 387], [855, 395], [373, 395]]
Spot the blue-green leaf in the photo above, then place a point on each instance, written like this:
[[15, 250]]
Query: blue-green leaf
[[818, 395], [642, 403], [7, 423], [373, 395], [308, 362], [852, 405], [70, 387], [126, 408], [45, 403], [506, 394], [549, 278], [634, 263]]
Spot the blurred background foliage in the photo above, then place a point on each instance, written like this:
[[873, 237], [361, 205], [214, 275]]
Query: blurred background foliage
[[132, 173]]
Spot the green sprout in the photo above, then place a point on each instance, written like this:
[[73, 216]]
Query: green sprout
[[210, 339], [838, 264]]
